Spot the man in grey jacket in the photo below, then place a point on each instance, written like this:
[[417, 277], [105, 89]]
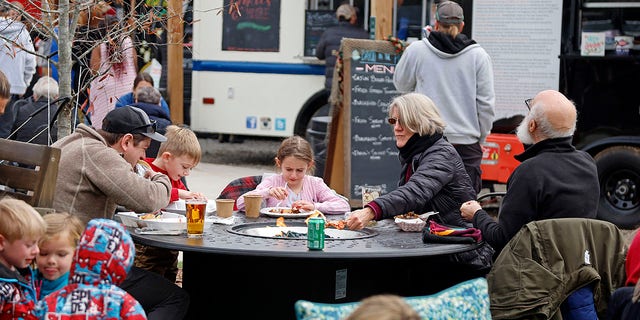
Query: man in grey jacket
[[96, 170], [456, 73]]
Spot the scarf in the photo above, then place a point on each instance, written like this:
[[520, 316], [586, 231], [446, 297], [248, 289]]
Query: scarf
[[48, 286], [416, 145]]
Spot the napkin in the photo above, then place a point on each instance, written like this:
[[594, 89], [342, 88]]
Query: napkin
[[228, 221]]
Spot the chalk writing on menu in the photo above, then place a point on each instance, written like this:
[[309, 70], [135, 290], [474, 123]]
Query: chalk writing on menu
[[374, 155], [257, 28], [316, 22]]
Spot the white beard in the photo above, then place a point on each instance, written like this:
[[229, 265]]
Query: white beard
[[523, 132]]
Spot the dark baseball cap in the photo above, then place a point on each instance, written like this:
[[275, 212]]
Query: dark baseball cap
[[130, 119], [449, 12]]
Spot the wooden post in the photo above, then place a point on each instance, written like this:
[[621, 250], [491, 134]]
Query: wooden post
[[175, 75], [383, 11]]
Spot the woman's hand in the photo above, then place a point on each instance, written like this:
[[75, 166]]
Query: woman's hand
[[360, 218], [278, 193], [303, 205], [469, 209]]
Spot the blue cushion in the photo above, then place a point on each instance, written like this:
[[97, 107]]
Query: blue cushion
[[466, 300]]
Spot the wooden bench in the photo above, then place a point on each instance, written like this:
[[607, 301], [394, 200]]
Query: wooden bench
[[28, 172]]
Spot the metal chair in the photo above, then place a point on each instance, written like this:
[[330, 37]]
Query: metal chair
[[28, 172]]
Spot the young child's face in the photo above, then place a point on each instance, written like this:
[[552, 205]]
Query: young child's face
[[178, 167], [56, 256], [19, 253], [293, 170]]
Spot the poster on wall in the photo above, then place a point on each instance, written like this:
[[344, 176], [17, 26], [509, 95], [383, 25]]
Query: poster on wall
[[256, 28], [530, 47]]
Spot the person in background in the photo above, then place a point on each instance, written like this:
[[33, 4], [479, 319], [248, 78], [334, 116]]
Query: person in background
[[329, 44], [457, 74], [624, 303], [176, 158], [553, 180], [296, 187], [91, 291], [18, 64], [57, 247], [21, 226], [384, 307], [5, 92], [432, 177], [35, 130], [143, 79], [114, 66], [148, 99]]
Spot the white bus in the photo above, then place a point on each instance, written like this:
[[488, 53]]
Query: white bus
[[257, 74]]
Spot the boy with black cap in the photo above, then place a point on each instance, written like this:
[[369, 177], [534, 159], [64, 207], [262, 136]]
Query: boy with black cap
[[96, 174], [457, 74], [96, 170]]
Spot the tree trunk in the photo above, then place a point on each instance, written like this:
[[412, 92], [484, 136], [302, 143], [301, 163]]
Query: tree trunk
[[65, 38]]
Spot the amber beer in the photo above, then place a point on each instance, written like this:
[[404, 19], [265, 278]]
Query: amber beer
[[196, 210]]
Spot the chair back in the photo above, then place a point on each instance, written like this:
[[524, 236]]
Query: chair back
[[28, 171], [238, 187]]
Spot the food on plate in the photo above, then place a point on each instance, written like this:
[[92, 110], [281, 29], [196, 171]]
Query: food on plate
[[280, 222], [280, 210], [285, 210], [148, 216], [408, 216], [338, 224]]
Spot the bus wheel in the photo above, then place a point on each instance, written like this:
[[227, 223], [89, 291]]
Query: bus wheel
[[619, 175]]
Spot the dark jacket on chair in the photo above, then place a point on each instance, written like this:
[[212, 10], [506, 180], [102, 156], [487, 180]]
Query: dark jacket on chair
[[548, 260], [36, 127]]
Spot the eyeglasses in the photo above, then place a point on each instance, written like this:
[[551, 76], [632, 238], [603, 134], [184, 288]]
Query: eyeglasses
[[528, 103], [393, 121], [147, 128]]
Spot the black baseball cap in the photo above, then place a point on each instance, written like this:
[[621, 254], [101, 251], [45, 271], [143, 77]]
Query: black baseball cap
[[130, 119]]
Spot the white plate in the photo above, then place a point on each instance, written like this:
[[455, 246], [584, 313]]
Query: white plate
[[267, 211], [179, 206], [167, 221]]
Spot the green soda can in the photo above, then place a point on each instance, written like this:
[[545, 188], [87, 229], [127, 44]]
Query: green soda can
[[315, 234]]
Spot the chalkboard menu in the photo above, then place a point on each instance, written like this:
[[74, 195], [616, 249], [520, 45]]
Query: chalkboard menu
[[370, 155], [256, 29], [315, 23]]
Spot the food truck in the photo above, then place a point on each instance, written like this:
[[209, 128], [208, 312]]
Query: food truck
[[255, 74]]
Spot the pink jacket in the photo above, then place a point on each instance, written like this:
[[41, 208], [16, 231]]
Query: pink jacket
[[314, 189]]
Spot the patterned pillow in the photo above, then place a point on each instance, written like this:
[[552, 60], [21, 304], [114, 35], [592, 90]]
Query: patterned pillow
[[466, 300]]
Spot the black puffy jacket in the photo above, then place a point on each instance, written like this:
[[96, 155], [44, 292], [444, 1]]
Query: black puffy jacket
[[437, 182]]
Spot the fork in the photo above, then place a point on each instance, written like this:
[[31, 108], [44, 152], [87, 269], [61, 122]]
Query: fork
[[280, 201]]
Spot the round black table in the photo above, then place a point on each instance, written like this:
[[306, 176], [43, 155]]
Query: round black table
[[263, 277]]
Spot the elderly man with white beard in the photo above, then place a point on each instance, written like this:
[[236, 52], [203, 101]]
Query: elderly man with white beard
[[553, 180]]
